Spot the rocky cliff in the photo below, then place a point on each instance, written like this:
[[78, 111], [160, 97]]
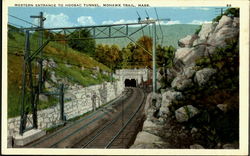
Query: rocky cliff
[[200, 107]]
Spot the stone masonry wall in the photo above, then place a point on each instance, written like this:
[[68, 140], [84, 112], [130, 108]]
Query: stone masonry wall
[[137, 74], [78, 100]]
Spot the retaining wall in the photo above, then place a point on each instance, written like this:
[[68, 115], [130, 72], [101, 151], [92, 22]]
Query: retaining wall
[[79, 101]]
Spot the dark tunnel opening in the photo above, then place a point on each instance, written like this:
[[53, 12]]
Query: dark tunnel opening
[[130, 83]]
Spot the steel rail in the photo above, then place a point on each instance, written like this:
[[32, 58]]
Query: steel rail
[[78, 121], [83, 127], [112, 122], [126, 124], [101, 130]]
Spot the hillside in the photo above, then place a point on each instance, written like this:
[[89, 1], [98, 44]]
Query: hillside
[[172, 33], [62, 62]]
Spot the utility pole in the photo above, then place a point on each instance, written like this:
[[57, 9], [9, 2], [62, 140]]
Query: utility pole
[[221, 10], [40, 61], [24, 78], [154, 61]]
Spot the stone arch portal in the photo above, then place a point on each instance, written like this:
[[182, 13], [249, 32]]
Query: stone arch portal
[[130, 83]]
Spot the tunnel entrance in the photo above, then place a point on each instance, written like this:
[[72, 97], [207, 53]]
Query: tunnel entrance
[[130, 83]]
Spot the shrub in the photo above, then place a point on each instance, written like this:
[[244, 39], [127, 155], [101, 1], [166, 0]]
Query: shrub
[[231, 12]]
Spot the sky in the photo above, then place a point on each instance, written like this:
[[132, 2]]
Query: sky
[[86, 16]]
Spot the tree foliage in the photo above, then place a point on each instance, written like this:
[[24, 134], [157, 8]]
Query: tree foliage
[[165, 56], [140, 55], [83, 45], [231, 12], [131, 56], [108, 55]]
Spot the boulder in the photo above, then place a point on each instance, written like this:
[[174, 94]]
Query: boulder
[[52, 63], [164, 112], [185, 113], [225, 20], [223, 107], [181, 53], [47, 85], [148, 103], [157, 98], [202, 76], [181, 83], [150, 146], [158, 85], [150, 113], [53, 77], [226, 29], [147, 140], [218, 39], [43, 98], [188, 55], [196, 146], [206, 30], [236, 22], [165, 101], [187, 41], [10, 142], [194, 130], [230, 146], [152, 127], [189, 72], [159, 75], [169, 96]]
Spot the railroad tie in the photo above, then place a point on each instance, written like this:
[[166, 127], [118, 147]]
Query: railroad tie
[[109, 111]]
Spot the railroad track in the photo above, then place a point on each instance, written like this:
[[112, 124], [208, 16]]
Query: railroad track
[[85, 132], [116, 133]]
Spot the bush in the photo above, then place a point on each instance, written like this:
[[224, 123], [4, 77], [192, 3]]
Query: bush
[[198, 30], [231, 12], [84, 45]]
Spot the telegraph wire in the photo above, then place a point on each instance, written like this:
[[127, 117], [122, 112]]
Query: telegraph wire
[[147, 18], [139, 20], [23, 20], [15, 25], [159, 25]]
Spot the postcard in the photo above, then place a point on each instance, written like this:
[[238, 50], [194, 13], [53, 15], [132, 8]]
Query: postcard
[[125, 78]]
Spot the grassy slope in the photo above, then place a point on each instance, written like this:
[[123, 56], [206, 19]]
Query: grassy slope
[[57, 52], [172, 33]]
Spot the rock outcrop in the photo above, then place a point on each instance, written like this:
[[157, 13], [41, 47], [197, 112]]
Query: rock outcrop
[[185, 113], [203, 76], [187, 41], [164, 109]]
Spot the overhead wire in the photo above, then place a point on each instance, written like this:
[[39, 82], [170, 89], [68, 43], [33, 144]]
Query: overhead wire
[[159, 25], [22, 20], [15, 25], [149, 31]]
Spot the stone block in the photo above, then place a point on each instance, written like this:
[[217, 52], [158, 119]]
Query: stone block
[[29, 136]]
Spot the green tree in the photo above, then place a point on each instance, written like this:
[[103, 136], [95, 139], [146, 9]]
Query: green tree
[[165, 56], [126, 57], [82, 45], [141, 57], [232, 12], [113, 56], [99, 53], [109, 55]]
